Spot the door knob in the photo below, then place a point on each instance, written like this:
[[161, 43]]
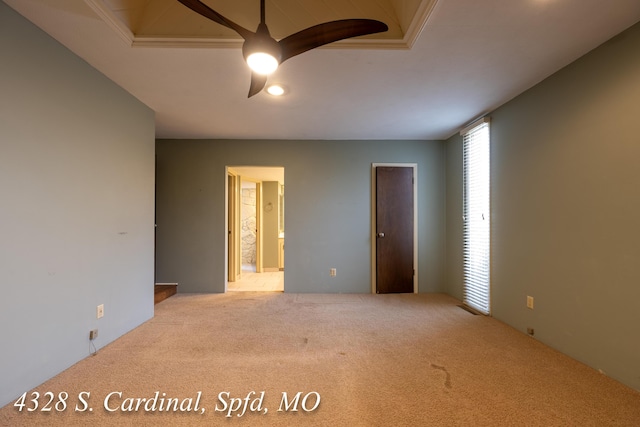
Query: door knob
[[380, 234]]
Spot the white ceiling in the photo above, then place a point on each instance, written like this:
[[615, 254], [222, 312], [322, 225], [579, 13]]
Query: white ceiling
[[471, 57]]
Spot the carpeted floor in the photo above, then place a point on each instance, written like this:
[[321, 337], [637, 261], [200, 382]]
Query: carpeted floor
[[374, 360]]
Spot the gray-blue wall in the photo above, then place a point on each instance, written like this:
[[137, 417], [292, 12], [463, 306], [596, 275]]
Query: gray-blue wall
[[76, 207], [565, 200], [327, 218]]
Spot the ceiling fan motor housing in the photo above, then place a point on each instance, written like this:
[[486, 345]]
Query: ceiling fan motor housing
[[262, 42]]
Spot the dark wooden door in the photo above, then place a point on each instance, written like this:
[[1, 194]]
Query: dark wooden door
[[394, 229]]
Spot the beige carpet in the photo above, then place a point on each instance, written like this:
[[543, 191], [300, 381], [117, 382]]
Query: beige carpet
[[375, 360]]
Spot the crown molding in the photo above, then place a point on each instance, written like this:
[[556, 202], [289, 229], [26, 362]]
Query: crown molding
[[121, 29], [419, 22], [112, 21]]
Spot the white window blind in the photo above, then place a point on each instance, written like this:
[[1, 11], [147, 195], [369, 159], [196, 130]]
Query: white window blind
[[476, 219]]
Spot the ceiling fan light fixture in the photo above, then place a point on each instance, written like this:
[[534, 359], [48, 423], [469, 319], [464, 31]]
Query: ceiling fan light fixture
[[262, 52], [262, 63]]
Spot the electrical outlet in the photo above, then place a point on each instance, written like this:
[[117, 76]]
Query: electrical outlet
[[530, 302], [100, 311], [93, 334], [333, 272]]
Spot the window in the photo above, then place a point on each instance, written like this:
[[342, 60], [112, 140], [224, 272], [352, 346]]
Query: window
[[476, 216]]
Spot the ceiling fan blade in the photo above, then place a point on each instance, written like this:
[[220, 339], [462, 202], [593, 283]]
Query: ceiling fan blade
[[258, 82], [204, 10], [326, 33]]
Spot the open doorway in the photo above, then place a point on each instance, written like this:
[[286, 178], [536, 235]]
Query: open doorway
[[255, 221]]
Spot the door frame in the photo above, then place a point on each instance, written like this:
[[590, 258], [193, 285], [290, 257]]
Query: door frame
[[373, 238], [259, 268], [233, 264]]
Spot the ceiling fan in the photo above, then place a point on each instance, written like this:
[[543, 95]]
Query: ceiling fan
[[263, 53]]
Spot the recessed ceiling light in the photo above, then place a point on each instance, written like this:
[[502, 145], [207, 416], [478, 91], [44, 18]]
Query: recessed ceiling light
[[275, 90]]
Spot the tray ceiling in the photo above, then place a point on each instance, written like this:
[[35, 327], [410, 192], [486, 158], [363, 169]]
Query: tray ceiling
[[168, 23]]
